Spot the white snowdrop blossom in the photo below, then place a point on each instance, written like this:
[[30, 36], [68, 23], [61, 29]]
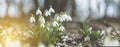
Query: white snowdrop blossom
[[55, 23], [90, 29], [51, 10], [47, 13], [42, 21], [67, 17], [63, 17], [32, 19], [62, 28], [57, 17], [38, 12]]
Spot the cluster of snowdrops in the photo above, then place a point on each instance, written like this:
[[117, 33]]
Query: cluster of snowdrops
[[48, 31]]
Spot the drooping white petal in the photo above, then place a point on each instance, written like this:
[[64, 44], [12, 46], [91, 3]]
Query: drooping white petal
[[55, 23], [62, 28], [32, 19], [51, 10], [63, 17], [69, 18], [38, 12], [47, 13]]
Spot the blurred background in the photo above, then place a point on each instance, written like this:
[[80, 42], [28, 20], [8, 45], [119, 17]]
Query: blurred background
[[84, 9]]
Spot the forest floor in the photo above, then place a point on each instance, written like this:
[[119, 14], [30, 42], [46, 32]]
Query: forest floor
[[111, 26]]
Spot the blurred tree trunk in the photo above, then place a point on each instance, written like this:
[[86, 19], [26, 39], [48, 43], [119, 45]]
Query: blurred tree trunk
[[58, 5]]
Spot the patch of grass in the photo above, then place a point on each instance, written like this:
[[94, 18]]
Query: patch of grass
[[91, 37]]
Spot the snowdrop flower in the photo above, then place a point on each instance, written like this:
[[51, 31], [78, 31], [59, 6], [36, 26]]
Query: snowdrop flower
[[55, 23], [32, 19], [51, 10], [90, 29], [47, 13], [38, 12], [42, 21], [63, 17], [67, 17], [59, 18], [56, 17], [62, 28]]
